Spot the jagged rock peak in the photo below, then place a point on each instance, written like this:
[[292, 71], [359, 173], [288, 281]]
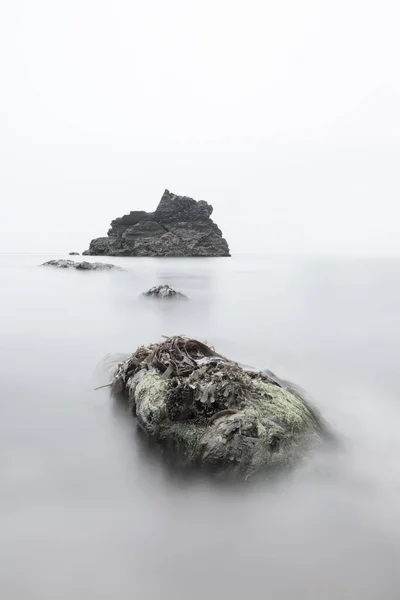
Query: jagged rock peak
[[180, 226]]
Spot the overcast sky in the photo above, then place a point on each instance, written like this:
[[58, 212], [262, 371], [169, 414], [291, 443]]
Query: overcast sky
[[285, 115]]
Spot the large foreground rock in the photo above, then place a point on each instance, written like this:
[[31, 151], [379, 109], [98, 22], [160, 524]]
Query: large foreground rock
[[80, 266], [179, 226], [209, 412]]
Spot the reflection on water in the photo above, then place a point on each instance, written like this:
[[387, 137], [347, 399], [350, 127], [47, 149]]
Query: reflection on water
[[87, 512]]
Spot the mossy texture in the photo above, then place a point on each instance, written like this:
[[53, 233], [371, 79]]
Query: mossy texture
[[217, 415], [280, 404], [150, 402]]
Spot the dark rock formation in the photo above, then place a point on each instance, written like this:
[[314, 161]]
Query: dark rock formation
[[179, 226], [206, 411], [74, 253], [80, 266], [163, 291]]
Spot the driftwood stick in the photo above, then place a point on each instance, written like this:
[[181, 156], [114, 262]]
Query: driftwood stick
[[103, 386]]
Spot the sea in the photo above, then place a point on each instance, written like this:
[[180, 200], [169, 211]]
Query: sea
[[87, 513]]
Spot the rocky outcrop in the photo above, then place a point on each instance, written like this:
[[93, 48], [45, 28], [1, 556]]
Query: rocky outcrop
[[162, 292], [80, 266], [180, 226], [206, 411]]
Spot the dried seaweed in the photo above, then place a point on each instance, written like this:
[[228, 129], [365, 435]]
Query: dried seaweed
[[201, 382]]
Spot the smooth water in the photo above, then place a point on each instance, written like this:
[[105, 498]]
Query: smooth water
[[85, 513]]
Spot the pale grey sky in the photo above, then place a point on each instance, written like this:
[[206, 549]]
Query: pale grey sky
[[284, 115]]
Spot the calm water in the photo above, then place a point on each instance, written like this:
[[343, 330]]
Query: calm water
[[85, 514]]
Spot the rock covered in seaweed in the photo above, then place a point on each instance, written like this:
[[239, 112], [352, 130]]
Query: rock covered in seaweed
[[180, 226], [163, 292], [80, 266], [209, 412]]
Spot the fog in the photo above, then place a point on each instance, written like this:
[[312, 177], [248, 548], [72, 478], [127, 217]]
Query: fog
[[284, 116], [87, 513]]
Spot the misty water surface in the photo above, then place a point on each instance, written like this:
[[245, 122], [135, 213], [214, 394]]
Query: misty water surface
[[86, 514]]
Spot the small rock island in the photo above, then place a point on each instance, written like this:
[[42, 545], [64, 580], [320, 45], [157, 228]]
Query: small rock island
[[180, 226]]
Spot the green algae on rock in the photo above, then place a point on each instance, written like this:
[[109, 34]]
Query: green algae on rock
[[209, 412]]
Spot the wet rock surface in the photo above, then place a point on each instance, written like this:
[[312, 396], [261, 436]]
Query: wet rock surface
[[180, 226], [163, 292], [80, 266], [206, 411]]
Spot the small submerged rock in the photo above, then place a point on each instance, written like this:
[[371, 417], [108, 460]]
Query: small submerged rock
[[206, 411], [80, 266], [163, 291], [74, 253]]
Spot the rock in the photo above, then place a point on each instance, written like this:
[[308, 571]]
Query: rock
[[74, 253], [180, 226], [95, 266], [163, 291], [80, 266], [206, 411]]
